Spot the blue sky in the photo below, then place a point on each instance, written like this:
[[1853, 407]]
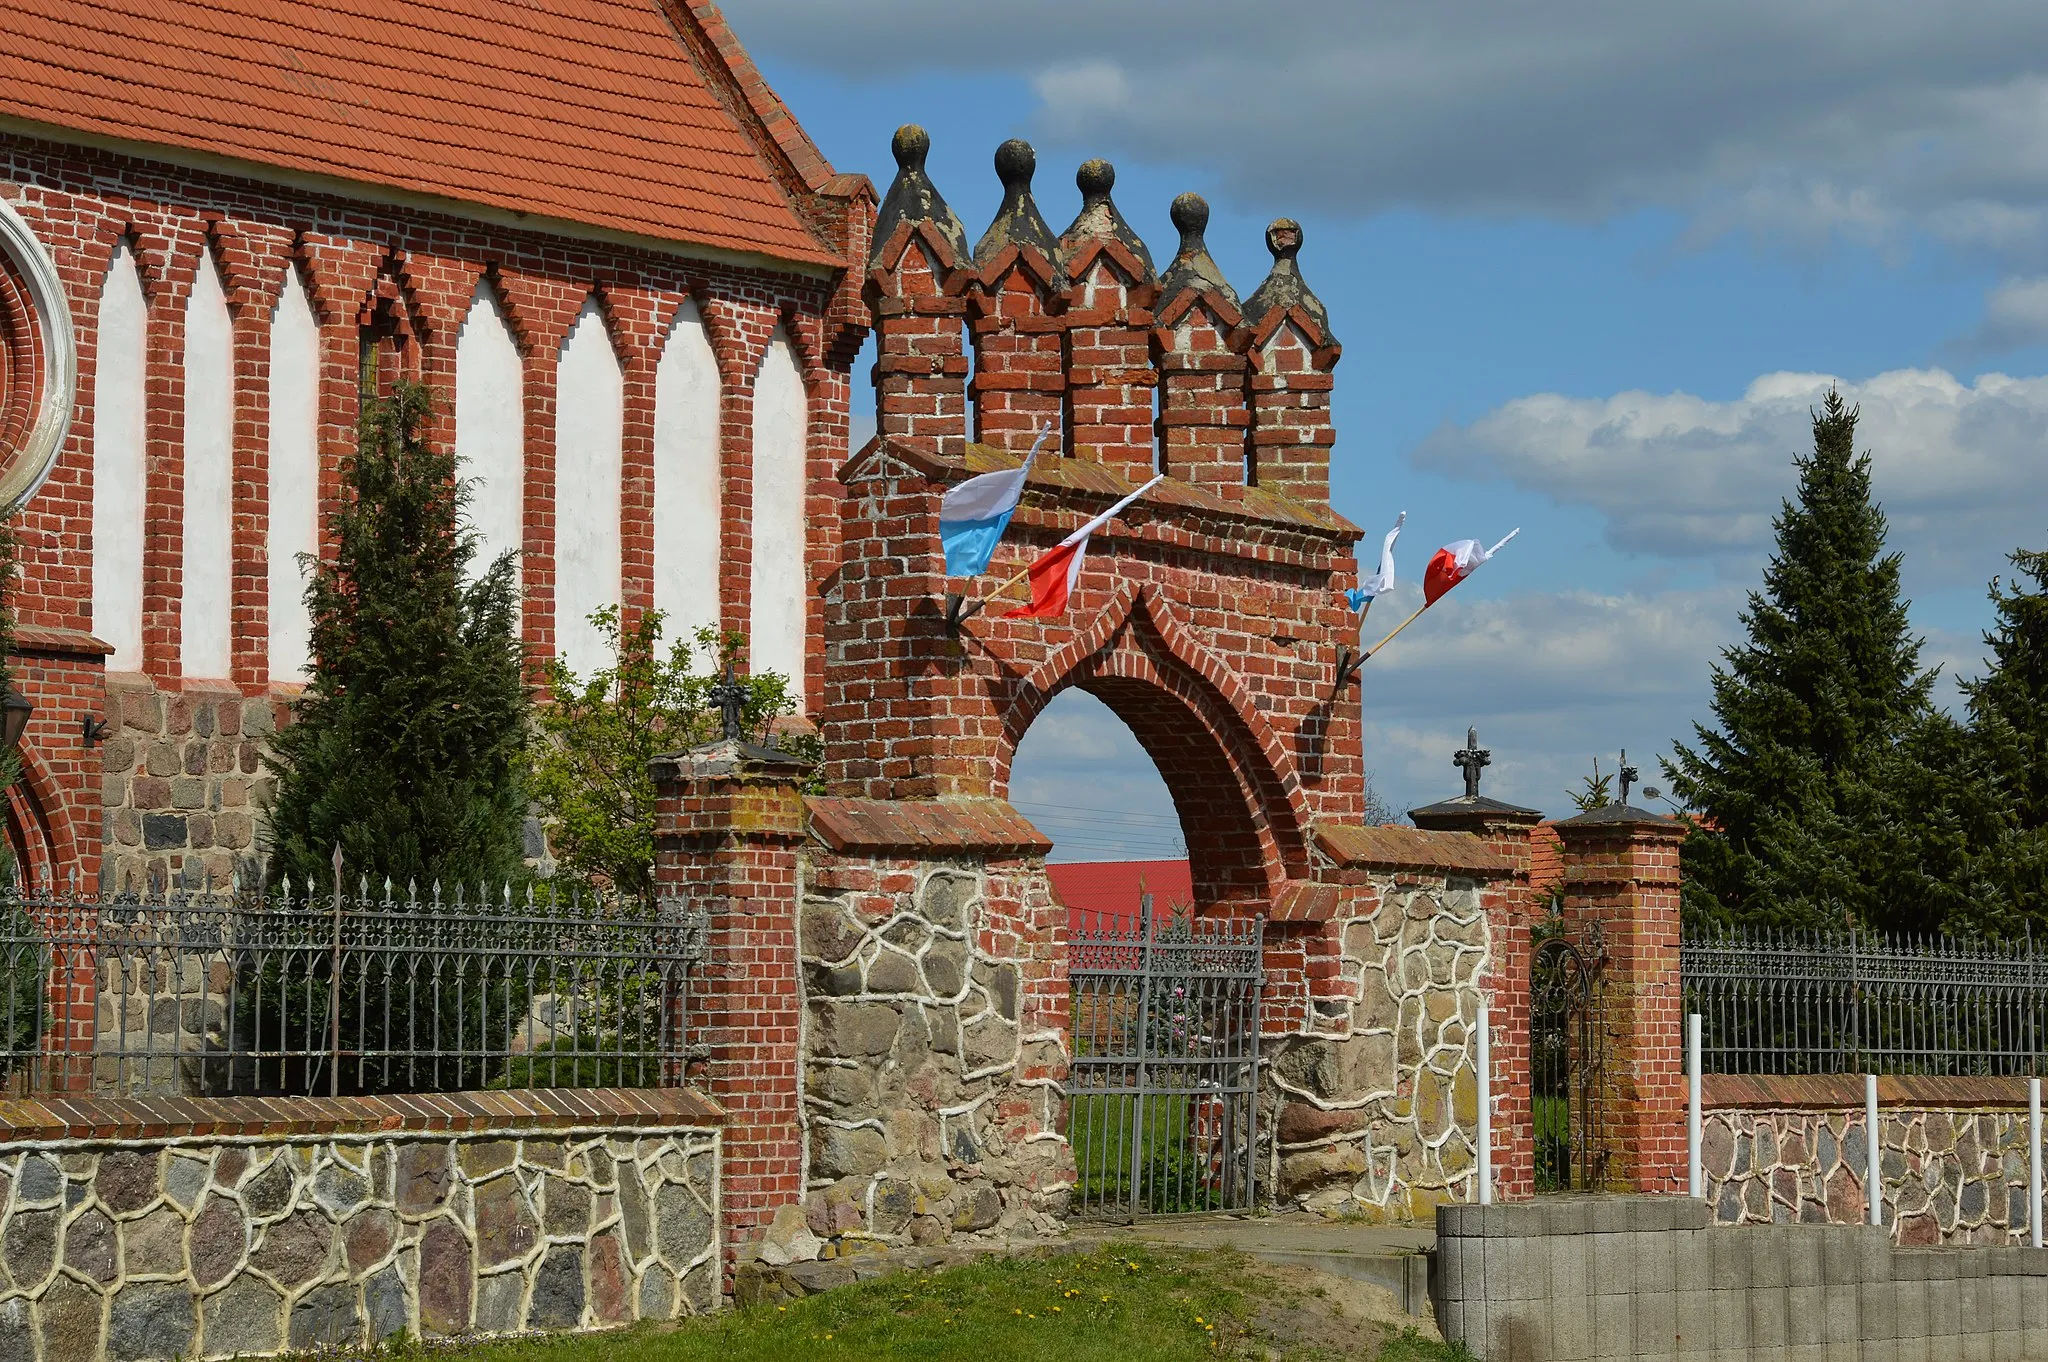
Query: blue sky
[[1590, 263]]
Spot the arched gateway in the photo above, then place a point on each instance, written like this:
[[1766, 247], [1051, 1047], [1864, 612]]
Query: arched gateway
[[894, 1048]]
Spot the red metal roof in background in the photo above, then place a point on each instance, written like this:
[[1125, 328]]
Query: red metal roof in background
[[1108, 890], [589, 111]]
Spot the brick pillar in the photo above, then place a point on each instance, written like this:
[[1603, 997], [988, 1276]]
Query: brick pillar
[[1020, 379], [916, 271], [1200, 341], [1293, 356], [728, 821], [1110, 379], [1621, 874], [1509, 905]]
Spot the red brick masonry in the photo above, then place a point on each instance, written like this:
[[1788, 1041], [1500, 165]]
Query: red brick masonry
[[162, 1118], [1832, 1092]]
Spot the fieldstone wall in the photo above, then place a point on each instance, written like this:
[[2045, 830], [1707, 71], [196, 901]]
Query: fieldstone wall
[[184, 784], [1379, 1099], [212, 1247], [933, 1054], [1950, 1176]]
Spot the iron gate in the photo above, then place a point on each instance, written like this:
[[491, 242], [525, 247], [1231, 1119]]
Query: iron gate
[[1565, 1062], [1163, 1095]]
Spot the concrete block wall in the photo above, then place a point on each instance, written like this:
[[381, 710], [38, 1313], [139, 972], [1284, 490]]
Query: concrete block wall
[[1571, 1278]]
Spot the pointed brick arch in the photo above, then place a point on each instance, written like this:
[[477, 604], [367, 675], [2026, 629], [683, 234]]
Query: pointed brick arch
[[1233, 781]]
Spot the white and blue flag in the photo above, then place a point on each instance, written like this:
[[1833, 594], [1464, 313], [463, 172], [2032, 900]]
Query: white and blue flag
[[1381, 582], [974, 515]]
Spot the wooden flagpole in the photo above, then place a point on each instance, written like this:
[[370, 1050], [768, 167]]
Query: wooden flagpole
[[1397, 629], [1007, 583]]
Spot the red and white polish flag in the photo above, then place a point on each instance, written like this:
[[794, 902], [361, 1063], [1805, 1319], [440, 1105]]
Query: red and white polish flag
[[1058, 568], [1453, 563]]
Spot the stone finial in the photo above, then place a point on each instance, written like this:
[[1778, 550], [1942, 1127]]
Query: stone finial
[[1018, 222], [1193, 267], [1284, 287], [1099, 219], [912, 197]]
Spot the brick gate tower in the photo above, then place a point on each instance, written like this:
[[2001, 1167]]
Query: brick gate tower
[[890, 1033], [1209, 617]]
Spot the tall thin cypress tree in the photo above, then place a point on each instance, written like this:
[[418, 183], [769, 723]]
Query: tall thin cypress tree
[[407, 748], [1796, 789]]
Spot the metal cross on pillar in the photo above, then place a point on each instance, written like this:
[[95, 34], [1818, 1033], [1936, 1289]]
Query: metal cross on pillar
[[1472, 760], [731, 698]]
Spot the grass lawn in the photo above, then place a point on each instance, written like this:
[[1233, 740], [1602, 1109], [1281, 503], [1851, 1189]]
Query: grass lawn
[[1137, 1305]]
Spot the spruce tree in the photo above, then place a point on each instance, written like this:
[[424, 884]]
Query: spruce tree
[[1799, 791], [407, 746], [2004, 793]]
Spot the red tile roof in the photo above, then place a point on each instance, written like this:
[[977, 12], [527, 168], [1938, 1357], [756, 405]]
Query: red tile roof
[[1546, 858], [1108, 890], [591, 111]]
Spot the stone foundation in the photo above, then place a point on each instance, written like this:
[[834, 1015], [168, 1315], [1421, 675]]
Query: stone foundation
[[185, 783], [933, 1049], [297, 1223], [1954, 1155], [1379, 1104]]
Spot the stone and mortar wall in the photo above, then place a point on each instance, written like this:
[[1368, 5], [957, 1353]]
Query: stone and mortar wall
[[932, 1059], [1572, 1279], [1378, 1105], [185, 783], [226, 1244], [1954, 1172]]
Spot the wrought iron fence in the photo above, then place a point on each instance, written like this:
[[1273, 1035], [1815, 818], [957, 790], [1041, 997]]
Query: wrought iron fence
[[1775, 1002], [1163, 1091], [324, 994]]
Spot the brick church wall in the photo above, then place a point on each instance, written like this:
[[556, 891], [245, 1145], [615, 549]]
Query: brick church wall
[[166, 729]]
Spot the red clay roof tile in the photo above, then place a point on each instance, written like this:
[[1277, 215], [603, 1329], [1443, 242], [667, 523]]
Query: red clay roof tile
[[589, 111]]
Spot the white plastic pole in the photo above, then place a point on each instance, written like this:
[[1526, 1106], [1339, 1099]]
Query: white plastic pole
[[1486, 1106], [2034, 1161], [1873, 1181], [1697, 1187]]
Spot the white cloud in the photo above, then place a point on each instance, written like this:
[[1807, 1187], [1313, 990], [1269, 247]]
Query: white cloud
[[2015, 314], [1550, 680], [1808, 117], [1956, 466]]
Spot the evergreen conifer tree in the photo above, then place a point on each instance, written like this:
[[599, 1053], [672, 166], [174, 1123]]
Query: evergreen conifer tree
[[407, 747], [2003, 796], [1801, 792]]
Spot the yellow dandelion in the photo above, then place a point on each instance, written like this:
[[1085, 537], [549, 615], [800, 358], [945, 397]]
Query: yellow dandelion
[[1056, 1310]]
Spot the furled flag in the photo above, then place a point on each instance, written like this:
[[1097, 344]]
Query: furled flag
[[1058, 568], [1381, 582], [1454, 563], [973, 515]]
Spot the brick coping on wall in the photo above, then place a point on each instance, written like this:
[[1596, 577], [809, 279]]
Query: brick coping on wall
[[1832, 1092], [169, 1118]]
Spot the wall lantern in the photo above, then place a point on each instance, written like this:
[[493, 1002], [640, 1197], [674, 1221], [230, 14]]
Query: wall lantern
[[14, 712]]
